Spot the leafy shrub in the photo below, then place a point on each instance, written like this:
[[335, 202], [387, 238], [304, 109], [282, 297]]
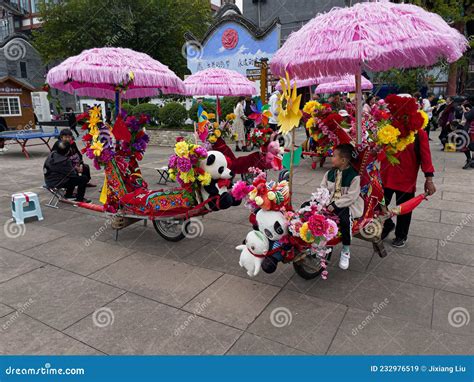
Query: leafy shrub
[[207, 106], [150, 109], [128, 107], [173, 114], [227, 105]]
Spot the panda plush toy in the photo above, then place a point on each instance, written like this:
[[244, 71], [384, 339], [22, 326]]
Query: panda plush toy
[[274, 226], [216, 165]]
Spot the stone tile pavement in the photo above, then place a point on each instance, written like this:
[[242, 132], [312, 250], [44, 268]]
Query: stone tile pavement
[[67, 287]]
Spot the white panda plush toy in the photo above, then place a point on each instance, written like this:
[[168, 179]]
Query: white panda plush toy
[[274, 226], [251, 257], [216, 165]]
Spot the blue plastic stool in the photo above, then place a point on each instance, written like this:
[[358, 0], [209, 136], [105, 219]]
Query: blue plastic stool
[[25, 205]]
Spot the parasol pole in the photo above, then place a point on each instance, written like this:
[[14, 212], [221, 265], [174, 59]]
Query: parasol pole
[[292, 155], [217, 109], [358, 83], [195, 134]]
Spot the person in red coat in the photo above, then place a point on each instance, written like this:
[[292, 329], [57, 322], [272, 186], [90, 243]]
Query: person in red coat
[[401, 180]]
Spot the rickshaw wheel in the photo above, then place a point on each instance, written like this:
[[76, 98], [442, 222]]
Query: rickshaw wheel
[[308, 268], [171, 230]]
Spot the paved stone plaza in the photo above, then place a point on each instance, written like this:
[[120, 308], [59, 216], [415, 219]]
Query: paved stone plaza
[[67, 287]]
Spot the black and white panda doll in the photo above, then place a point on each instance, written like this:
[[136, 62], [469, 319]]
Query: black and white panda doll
[[216, 165], [274, 226]]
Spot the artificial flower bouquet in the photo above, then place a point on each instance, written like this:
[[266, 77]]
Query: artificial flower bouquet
[[314, 223], [183, 165], [126, 138], [392, 125], [260, 137]]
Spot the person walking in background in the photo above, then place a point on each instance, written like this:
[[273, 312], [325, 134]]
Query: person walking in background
[[248, 123], [427, 107], [273, 103], [238, 126], [3, 127], [468, 120], [369, 102], [71, 118]]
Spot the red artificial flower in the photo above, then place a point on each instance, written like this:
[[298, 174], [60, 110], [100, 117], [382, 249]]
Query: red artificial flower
[[85, 126], [87, 137], [318, 225]]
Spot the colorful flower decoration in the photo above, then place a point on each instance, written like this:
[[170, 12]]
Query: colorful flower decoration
[[183, 165], [127, 138], [260, 137], [289, 113]]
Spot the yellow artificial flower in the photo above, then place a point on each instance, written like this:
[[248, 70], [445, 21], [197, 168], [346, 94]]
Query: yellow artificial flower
[[426, 119], [94, 131], [310, 106], [187, 177], [411, 137], [205, 179], [289, 113], [181, 149], [401, 145], [95, 111], [93, 121], [217, 133], [230, 117], [97, 147], [212, 138], [305, 233], [172, 174], [211, 116], [215, 125], [235, 136], [388, 135], [309, 123]]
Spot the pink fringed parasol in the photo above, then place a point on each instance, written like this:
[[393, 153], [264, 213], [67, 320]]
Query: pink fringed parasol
[[345, 84], [100, 72], [375, 36], [219, 82]]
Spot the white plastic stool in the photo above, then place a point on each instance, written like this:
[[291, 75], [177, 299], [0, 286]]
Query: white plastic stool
[[25, 205]]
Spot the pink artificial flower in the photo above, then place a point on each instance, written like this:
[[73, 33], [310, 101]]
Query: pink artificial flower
[[241, 190], [332, 229]]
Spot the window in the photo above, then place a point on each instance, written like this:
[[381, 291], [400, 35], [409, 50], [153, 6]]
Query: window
[[10, 107], [23, 73]]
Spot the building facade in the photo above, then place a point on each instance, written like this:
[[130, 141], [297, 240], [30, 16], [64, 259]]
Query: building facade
[[293, 14]]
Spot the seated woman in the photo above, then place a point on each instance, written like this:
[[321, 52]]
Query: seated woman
[[74, 155]]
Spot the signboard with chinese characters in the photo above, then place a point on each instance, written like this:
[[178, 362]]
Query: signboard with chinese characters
[[232, 46]]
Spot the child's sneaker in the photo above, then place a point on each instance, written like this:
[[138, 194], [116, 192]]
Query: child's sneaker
[[344, 259]]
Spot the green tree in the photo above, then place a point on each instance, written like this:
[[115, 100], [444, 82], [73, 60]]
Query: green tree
[[155, 27], [457, 13]]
